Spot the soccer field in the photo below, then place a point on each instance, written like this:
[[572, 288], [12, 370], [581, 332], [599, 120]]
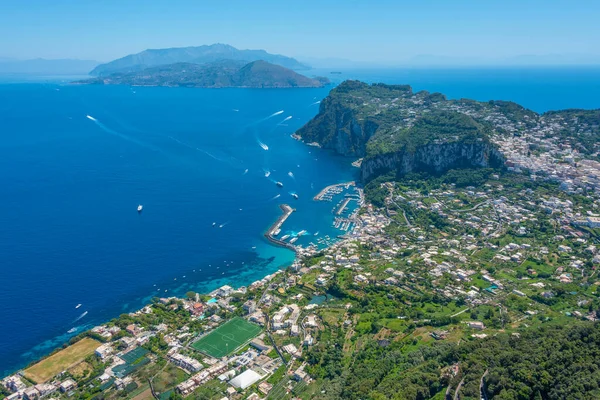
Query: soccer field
[[227, 338]]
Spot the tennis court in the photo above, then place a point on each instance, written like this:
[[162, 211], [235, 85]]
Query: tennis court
[[134, 355], [227, 338], [134, 360]]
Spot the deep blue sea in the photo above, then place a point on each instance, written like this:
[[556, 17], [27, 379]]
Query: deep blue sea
[[75, 162]]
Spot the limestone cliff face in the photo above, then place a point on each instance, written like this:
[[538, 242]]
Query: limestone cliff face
[[435, 158], [405, 131], [336, 128]]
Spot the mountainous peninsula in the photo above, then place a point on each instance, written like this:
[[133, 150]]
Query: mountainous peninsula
[[219, 74], [195, 55], [397, 130]]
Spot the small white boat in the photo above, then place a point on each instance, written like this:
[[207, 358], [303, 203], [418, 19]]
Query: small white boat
[[140, 208], [279, 184], [294, 195], [72, 330], [78, 305], [214, 223]]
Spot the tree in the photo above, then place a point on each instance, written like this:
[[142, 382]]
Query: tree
[[190, 295]]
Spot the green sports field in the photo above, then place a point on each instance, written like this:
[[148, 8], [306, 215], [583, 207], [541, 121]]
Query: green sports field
[[226, 338]]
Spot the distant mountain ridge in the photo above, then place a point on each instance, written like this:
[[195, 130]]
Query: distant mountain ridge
[[219, 74], [195, 55]]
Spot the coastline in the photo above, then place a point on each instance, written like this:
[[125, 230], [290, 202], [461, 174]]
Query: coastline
[[77, 83], [299, 251]]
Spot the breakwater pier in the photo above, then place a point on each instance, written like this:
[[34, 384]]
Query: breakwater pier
[[270, 233], [327, 193]]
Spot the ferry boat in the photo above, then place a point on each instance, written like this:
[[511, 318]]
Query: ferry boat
[[294, 195], [140, 208], [279, 184]]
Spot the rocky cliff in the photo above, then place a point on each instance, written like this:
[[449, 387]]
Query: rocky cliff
[[337, 128], [340, 125], [434, 158], [397, 130]]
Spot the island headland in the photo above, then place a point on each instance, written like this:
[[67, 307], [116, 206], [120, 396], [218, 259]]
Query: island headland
[[218, 74]]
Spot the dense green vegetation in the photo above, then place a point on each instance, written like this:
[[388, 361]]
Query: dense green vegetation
[[394, 128], [434, 127], [552, 362], [361, 119], [513, 111]]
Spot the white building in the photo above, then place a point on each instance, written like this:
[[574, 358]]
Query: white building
[[245, 379]]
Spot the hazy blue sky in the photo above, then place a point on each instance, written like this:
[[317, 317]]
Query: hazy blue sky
[[379, 31]]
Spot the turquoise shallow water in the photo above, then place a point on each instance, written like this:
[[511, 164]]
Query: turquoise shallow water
[[70, 185]]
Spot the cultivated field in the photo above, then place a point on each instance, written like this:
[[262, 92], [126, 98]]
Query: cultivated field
[[61, 361]]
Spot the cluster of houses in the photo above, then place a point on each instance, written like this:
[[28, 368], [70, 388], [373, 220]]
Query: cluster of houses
[[20, 390]]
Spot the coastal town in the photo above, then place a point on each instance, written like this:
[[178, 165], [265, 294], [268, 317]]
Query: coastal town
[[418, 262], [501, 257]]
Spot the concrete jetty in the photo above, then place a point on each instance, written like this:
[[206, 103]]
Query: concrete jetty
[[343, 206], [270, 233], [323, 192]]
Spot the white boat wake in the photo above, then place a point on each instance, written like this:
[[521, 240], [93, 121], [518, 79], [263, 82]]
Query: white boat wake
[[121, 135], [264, 146], [81, 316]]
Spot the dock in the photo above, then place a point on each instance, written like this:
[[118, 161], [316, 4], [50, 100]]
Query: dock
[[344, 205], [270, 233], [326, 190]]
